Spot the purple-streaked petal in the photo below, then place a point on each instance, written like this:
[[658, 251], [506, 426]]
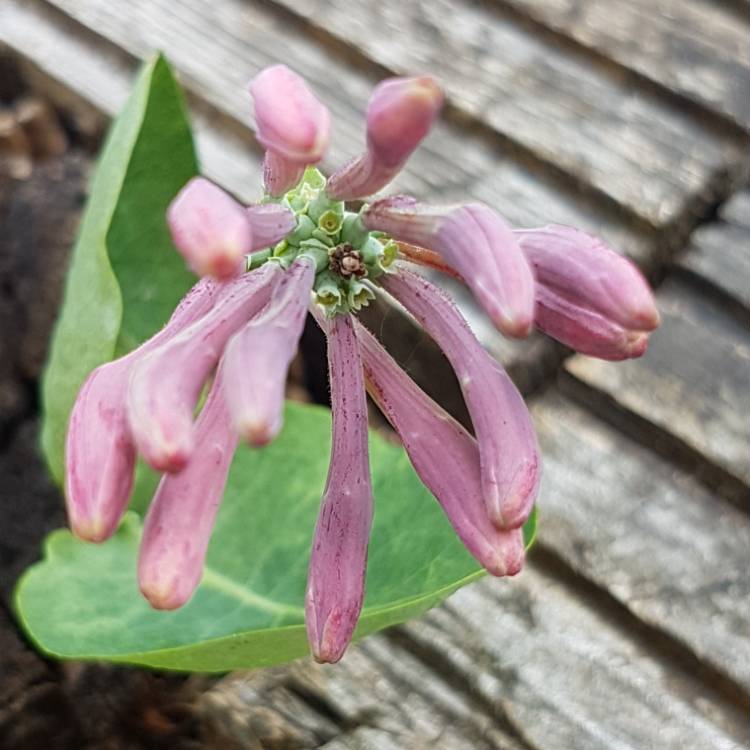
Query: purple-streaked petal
[[583, 271], [585, 331], [165, 384], [210, 229], [444, 455], [99, 451], [476, 242], [270, 223], [181, 516], [400, 113], [291, 123], [509, 454], [257, 358], [336, 579]]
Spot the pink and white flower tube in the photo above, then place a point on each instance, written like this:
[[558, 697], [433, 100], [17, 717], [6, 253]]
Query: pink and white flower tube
[[589, 297], [475, 241], [336, 580], [445, 457], [181, 516], [292, 125], [508, 452], [166, 382], [257, 358], [400, 114], [100, 451]]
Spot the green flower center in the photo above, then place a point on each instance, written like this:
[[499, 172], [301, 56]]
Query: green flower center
[[347, 256]]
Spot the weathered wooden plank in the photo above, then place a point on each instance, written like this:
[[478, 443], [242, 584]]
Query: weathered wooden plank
[[719, 252], [695, 48], [516, 665], [693, 381], [603, 130], [658, 541], [452, 164]]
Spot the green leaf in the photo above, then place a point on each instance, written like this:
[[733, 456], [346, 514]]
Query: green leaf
[[125, 277], [82, 601]]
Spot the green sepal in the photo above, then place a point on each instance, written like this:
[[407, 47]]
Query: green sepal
[[358, 295], [303, 231]]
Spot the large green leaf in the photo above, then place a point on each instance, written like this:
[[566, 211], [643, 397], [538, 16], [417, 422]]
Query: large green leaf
[[82, 600], [125, 277]]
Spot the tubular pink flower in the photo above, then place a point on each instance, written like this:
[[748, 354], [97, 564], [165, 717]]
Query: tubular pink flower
[[210, 229], [270, 223], [444, 455], [586, 331], [181, 516], [165, 384], [292, 125], [475, 241], [508, 451], [336, 580], [257, 358], [400, 114], [99, 451], [583, 271]]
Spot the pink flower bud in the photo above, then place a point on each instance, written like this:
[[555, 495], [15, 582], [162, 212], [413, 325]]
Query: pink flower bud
[[210, 229], [165, 384], [583, 271], [181, 516], [476, 242], [336, 580], [400, 114], [257, 358], [99, 452], [508, 450], [444, 455], [586, 331], [292, 125], [270, 223]]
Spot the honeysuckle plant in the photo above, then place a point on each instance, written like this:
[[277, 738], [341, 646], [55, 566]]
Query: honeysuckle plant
[[213, 377]]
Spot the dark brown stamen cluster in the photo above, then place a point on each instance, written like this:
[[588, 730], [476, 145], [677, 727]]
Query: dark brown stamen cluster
[[346, 261]]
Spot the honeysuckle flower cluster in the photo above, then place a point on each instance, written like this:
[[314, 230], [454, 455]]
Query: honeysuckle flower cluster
[[262, 268]]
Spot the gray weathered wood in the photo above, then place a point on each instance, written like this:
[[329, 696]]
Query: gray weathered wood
[[452, 164], [675, 555], [692, 382], [606, 132], [719, 252], [505, 664], [695, 48]]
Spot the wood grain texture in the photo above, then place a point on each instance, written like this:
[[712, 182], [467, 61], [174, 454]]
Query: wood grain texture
[[605, 132], [692, 383], [451, 165], [514, 664], [719, 252], [695, 48], [674, 554]]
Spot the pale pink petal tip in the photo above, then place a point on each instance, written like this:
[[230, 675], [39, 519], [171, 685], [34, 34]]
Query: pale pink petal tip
[[209, 228], [400, 114], [290, 120], [99, 454]]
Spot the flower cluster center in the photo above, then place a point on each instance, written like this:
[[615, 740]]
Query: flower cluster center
[[346, 254]]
